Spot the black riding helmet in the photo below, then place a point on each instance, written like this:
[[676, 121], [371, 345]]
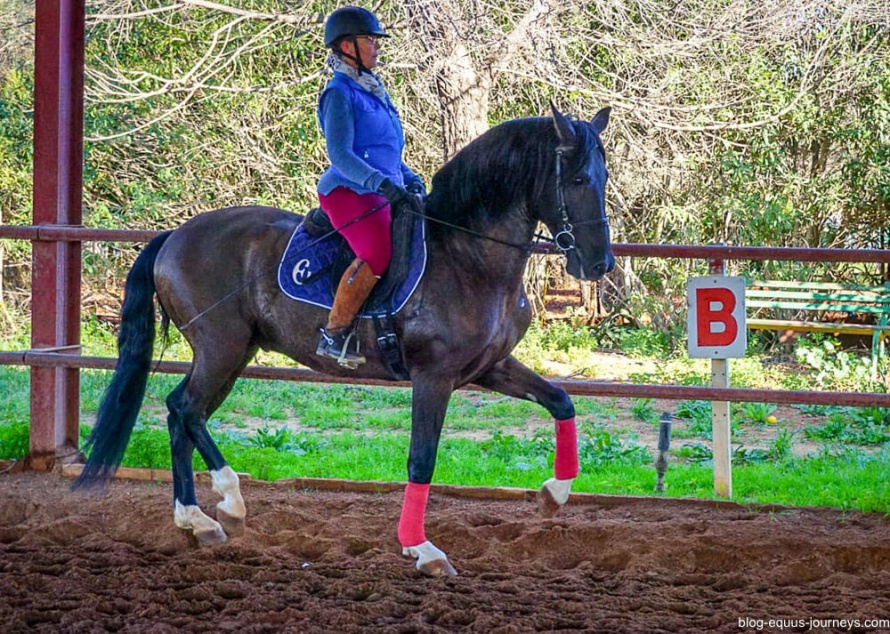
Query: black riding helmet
[[350, 22]]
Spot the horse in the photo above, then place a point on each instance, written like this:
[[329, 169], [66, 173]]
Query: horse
[[458, 327]]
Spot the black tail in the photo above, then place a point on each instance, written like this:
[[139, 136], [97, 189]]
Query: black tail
[[123, 397]]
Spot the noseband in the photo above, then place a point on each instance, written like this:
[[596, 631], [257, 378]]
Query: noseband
[[565, 239]]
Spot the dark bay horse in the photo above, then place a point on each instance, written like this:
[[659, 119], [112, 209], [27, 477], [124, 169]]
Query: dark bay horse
[[459, 326]]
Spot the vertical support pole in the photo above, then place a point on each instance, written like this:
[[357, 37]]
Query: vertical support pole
[[57, 197], [720, 423], [664, 449]]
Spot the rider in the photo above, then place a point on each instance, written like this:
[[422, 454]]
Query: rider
[[364, 140]]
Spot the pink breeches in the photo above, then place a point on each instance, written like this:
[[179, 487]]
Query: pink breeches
[[370, 237]]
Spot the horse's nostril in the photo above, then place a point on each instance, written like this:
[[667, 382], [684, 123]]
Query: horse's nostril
[[597, 272]]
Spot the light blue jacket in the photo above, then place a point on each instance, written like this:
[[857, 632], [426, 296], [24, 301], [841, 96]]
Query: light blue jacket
[[364, 139]]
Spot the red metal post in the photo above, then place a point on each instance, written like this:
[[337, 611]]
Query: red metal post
[[57, 196]]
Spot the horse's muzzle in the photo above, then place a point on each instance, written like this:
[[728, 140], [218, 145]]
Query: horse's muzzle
[[590, 272]]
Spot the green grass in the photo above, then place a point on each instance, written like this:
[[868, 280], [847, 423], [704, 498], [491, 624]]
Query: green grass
[[846, 479], [361, 433]]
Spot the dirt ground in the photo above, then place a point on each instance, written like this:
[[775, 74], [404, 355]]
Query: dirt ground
[[314, 561]]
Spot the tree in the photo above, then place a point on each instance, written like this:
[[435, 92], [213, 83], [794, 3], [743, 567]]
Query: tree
[[752, 123]]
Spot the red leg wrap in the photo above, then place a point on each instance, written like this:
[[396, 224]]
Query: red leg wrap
[[413, 512], [565, 465]]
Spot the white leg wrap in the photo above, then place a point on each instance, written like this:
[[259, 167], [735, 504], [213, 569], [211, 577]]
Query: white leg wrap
[[424, 553], [559, 489], [226, 484], [193, 518]]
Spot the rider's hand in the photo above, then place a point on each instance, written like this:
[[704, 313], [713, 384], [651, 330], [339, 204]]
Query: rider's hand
[[398, 197], [393, 193], [417, 188]]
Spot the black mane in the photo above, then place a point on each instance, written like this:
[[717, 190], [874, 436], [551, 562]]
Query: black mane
[[503, 168]]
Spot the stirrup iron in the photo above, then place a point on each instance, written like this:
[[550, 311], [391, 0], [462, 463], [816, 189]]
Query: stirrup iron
[[336, 346]]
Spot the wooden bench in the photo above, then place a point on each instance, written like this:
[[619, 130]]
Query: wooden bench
[[798, 298]]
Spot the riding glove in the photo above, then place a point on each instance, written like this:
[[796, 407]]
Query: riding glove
[[394, 194], [417, 188]]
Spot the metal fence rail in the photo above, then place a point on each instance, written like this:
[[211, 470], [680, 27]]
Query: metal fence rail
[[67, 359], [577, 387], [58, 233]]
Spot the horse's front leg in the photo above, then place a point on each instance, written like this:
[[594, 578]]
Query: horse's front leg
[[429, 404], [512, 378]]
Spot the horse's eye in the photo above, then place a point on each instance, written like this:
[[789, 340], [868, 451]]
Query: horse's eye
[[578, 181]]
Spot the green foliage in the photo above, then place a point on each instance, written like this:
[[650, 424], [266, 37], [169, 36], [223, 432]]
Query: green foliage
[[780, 448], [643, 410], [598, 447], [148, 447], [518, 453], [15, 385], [697, 415], [757, 412], [848, 425], [696, 452], [281, 440], [835, 367], [645, 342], [14, 439]]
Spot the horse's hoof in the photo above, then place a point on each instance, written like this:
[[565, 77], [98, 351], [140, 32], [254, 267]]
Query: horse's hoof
[[431, 561], [554, 494], [233, 526], [210, 536], [547, 504], [437, 568]]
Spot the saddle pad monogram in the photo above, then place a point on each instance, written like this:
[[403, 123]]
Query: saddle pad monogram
[[304, 273]]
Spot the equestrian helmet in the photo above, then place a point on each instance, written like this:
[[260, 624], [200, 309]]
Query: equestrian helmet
[[351, 21]]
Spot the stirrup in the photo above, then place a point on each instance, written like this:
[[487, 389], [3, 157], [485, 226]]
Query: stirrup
[[336, 346]]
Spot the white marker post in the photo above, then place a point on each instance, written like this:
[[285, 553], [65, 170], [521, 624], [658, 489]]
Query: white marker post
[[716, 326]]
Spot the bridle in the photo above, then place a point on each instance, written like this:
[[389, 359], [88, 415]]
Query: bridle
[[564, 240]]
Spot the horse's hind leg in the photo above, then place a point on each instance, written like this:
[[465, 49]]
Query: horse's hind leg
[[187, 515], [230, 512], [202, 391], [512, 378]]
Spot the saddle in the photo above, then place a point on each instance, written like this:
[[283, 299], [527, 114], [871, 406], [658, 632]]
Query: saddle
[[317, 224], [317, 256]]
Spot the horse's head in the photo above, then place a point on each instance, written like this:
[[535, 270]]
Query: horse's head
[[578, 219]]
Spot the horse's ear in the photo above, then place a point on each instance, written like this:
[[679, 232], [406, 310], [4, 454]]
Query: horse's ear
[[601, 120], [564, 128]]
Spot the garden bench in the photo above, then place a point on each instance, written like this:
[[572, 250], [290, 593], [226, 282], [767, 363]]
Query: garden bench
[[772, 300]]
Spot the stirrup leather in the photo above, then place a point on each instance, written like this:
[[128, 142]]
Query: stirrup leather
[[336, 346]]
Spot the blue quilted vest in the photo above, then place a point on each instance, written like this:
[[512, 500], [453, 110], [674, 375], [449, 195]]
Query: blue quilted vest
[[379, 138]]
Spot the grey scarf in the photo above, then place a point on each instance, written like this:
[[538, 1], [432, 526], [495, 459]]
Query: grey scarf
[[367, 80]]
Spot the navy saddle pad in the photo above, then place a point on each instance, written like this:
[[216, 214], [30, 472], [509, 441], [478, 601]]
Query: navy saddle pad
[[304, 273]]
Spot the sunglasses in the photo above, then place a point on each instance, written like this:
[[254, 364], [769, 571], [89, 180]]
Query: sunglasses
[[373, 39]]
